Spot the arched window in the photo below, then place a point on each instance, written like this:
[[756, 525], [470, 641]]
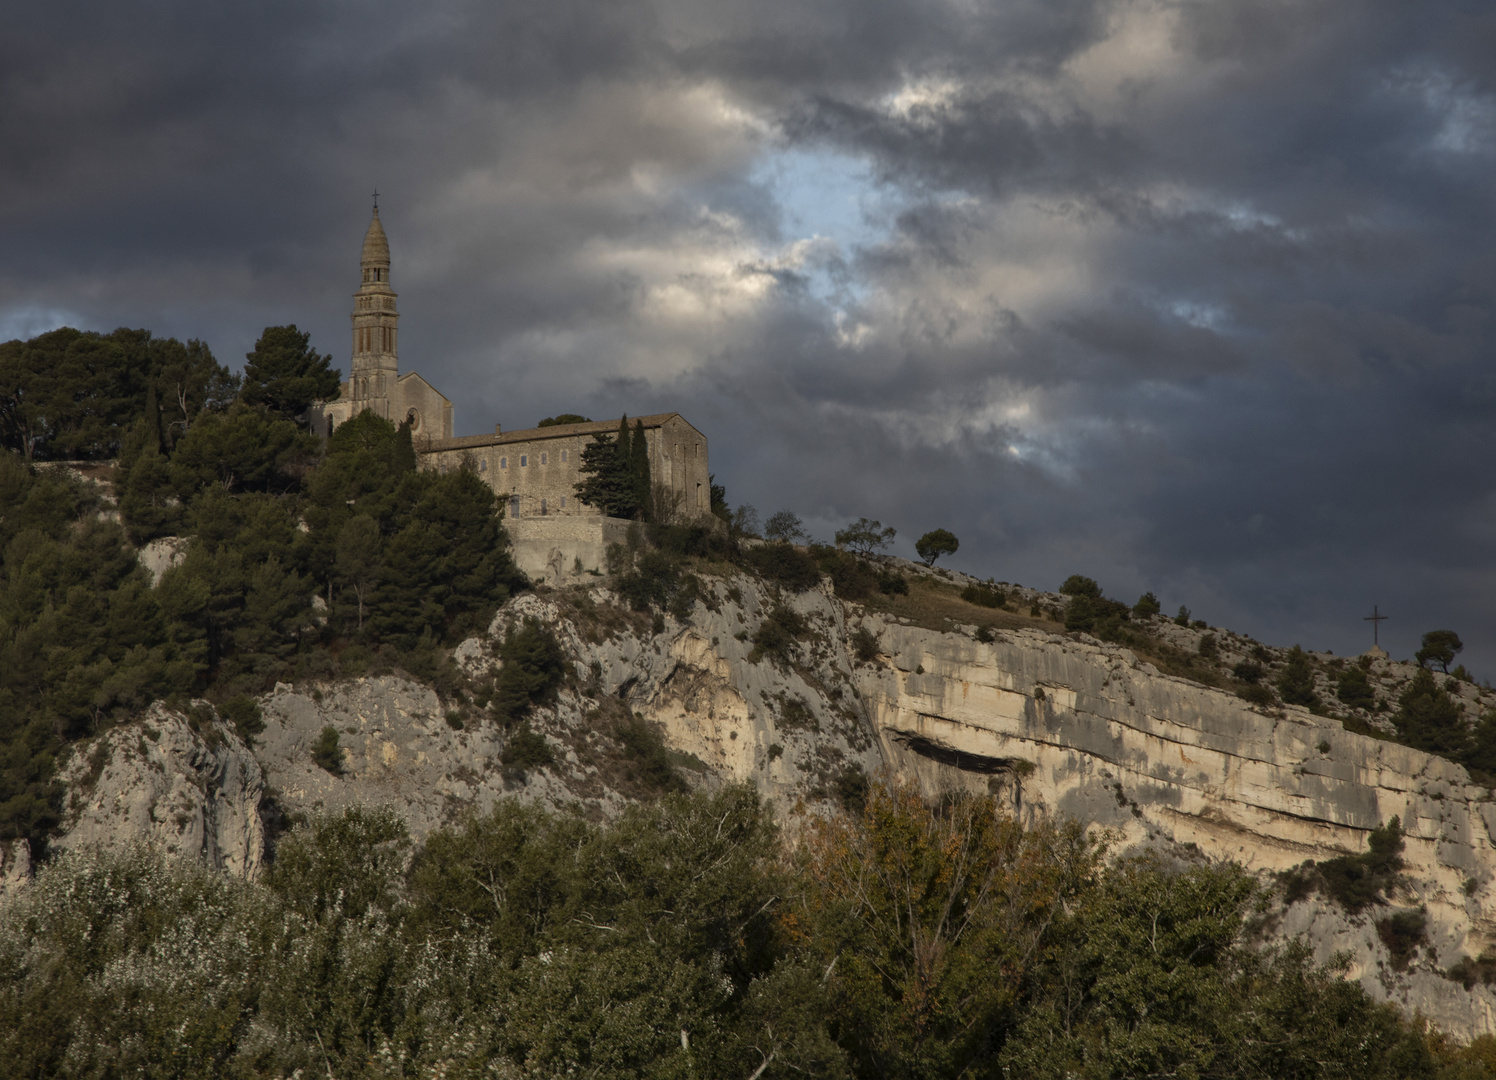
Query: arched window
[[564, 458], [543, 458], [503, 463], [524, 461], [482, 464]]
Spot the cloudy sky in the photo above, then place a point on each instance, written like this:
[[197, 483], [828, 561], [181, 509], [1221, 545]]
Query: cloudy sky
[[1192, 296]]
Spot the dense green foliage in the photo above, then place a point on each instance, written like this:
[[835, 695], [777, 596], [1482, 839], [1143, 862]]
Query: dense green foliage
[[1090, 612], [897, 940], [615, 473], [1296, 682], [285, 374], [269, 521], [72, 395], [935, 543], [1439, 647]]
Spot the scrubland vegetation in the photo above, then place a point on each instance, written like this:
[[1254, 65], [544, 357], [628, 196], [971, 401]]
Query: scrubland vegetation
[[686, 939]]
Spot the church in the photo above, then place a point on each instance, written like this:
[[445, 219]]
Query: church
[[534, 471]]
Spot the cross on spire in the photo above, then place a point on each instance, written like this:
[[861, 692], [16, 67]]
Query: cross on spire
[[376, 200], [1376, 619]]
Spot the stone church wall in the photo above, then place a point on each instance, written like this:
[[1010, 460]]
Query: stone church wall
[[535, 471]]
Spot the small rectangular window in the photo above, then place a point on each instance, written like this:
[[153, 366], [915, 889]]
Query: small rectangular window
[[482, 466], [524, 461], [514, 506], [543, 460], [563, 498], [563, 458], [503, 463], [542, 507]]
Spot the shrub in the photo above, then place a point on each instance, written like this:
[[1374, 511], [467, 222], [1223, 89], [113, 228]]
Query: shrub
[[1209, 648], [864, 644], [986, 635], [1248, 671], [851, 578], [244, 713], [776, 635], [1357, 881], [643, 745], [1470, 971], [533, 667], [783, 563], [526, 749], [1079, 585], [1402, 932], [891, 583], [1296, 684], [651, 582], [984, 596], [851, 789], [1353, 688], [1183, 618], [1429, 719], [1147, 606], [1095, 615], [1257, 694], [326, 753]]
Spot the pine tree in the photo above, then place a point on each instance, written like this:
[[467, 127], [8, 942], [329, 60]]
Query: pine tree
[[1296, 684], [285, 374], [609, 481], [1428, 718]]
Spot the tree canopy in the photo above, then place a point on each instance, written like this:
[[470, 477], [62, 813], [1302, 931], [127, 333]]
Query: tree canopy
[[934, 544], [900, 940], [615, 473], [1439, 647], [267, 517], [285, 374]]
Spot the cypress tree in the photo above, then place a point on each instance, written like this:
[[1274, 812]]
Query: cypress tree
[[607, 481], [639, 471]]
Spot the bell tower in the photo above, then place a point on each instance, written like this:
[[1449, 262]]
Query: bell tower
[[374, 367]]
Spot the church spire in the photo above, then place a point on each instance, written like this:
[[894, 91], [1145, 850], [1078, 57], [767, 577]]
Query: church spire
[[375, 364]]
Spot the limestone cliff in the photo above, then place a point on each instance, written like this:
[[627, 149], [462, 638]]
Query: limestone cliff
[[1050, 724]]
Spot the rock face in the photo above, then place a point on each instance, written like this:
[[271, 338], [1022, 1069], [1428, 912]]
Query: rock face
[[1076, 728], [195, 793], [1047, 724]]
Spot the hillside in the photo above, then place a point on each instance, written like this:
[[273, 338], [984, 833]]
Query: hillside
[[225, 642]]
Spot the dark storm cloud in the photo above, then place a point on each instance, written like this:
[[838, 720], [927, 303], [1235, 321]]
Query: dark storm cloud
[[1193, 297]]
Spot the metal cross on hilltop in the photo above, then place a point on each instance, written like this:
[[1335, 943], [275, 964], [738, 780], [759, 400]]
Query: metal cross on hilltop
[[1376, 619]]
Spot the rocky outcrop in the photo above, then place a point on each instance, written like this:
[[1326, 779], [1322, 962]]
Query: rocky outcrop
[[1086, 730], [190, 787], [1050, 725]]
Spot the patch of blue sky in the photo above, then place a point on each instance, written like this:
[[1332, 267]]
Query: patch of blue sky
[[822, 193], [29, 321]]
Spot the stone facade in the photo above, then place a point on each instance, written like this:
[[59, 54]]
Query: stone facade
[[375, 382], [535, 471]]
